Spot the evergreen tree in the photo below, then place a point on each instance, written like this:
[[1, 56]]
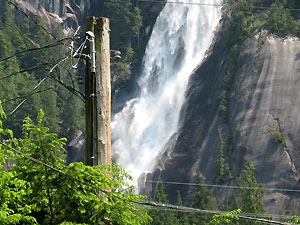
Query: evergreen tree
[[281, 21], [163, 217], [63, 111], [248, 200], [222, 172], [202, 198], [125, 22], [183, 217]]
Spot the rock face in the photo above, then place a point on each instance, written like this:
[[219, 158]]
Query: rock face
[[264, 101], [70, 13], [73, 13], [76, 148]]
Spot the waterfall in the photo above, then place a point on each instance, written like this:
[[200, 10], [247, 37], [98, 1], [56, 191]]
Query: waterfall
[[181, 35]]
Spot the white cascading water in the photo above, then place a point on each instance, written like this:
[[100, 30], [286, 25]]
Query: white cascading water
[[181, 35]]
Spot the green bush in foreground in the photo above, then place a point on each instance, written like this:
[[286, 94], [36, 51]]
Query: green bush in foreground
[[31, 193]]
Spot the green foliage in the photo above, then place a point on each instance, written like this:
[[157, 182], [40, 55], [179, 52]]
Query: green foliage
[[31, 193], [278, 136], [13, 191], [295, 220], [226, 218], [125, 22], [246, 20], [202, 198], [249, 199], [222, 172], [224, 96], [163, 217], [183, 218], [223, 105], [281, 21], [64, 112]]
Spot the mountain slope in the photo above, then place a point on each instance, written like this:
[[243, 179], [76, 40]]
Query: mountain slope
[[263, 119]]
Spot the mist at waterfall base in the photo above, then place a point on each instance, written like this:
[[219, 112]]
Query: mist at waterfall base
[[181, 35]]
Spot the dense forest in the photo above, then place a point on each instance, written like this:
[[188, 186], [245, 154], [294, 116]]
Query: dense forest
[[23, 71], [31, 193]]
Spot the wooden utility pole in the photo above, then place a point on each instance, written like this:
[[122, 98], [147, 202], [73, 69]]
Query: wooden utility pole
[[98, 93]]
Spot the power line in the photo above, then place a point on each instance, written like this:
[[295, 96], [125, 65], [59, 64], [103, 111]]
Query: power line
[[183, 3], [255, 215], [226, 186], [36, 22], [215, 5], [72, 89], [41, 81], [242, 214], [209, 212], [30, 18], [23, 71], [33, 159], [59, 42], [69, 88], [32, 93], [155, 205]]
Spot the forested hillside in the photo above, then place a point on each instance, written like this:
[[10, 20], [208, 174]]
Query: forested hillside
[[238, 125], [21, 72]]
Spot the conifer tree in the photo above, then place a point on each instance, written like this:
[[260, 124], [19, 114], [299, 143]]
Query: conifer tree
[[202, 198], [248, 200], [163, 217], [183, 217]]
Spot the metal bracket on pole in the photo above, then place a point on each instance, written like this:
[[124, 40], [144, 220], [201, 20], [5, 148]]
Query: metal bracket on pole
[[91, 38]]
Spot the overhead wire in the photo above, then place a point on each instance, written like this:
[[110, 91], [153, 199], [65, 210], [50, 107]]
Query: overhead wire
[[77, 53], [34, 49], [71, 89], [39, 84], [226, 186], [28, 95], [59, 42], [287, 217], [215, 5], [43, 28], [155, 205], [209, 212], [254, 215], [32, 159], [25, 70], [30, 18], [181, 2], [203, 4], [67, 87]]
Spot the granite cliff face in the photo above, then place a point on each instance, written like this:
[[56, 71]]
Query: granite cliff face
[[70, 13], [264, 100], [73, 13], [267, 101]]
